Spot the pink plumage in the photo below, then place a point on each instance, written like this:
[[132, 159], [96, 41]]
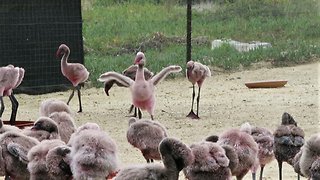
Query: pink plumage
[[146, 136], [10, 78], [142, 90], [245, 147], [264, 138], [211, 161], [76, 73], [196, 74], [131, 73]]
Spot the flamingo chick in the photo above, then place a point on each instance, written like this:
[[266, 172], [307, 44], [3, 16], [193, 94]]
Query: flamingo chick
[[58, 162], [196, 73], [175, 156], [10, 78], [94, 155], [49, 106], [310, 154], [43, 128], [65, 123], [288, 139], [146, 136], [246, 149], [14, 149], [131, 73], [37, 156], [76, 73], [142, 90], [211, 162], [264, 138]]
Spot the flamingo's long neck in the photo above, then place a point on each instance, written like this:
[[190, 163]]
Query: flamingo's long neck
[[140, 73], [170, 164], [64, 62], [1, 123]]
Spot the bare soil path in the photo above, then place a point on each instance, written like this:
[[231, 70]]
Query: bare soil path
[[225, 103]]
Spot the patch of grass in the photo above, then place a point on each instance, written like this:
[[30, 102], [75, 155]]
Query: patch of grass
[[108, 29], [115, 30]]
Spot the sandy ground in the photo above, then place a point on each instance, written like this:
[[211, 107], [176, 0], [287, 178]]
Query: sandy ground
[[225, 103]]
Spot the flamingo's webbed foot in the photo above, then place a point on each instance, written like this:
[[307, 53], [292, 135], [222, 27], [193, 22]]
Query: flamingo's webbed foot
[[192, 115]]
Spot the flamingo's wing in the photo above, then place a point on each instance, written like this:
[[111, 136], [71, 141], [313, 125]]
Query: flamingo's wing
[[147, 73], [121, 79], [18, 151], [163, 74], [131, 71]]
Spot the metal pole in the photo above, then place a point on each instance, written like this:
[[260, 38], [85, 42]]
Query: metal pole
[[189, 17]]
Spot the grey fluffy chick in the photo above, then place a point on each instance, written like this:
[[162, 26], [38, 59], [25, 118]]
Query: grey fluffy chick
[[212, 162], [94, 155], [146, 136], [53, 105], [43, 128], [13, 154], [310, 154], [175, 156], [58, 162], [37, 158], [66, 125], [85, 126], [4, 128], [288, 139], [245, 147], [265, 140]]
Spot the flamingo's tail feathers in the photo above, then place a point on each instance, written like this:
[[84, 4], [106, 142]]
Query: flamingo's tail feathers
[[208, 72], [164, 72], [21, 76], [113, 76]]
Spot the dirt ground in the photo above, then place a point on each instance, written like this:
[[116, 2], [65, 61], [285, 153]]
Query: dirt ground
[[225, 103]]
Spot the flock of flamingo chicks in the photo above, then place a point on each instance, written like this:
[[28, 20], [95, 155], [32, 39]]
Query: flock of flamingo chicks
[[55, 148]]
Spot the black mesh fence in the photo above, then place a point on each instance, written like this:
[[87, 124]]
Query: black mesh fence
[[30, 34]]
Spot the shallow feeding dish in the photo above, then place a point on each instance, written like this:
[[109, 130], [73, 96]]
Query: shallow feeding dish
[[266, 84], [20, 124]]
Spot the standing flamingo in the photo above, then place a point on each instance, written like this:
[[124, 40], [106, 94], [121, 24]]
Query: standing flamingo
[[76, 73], [10, 78], [131, 73], [142, 90], [196, 73]]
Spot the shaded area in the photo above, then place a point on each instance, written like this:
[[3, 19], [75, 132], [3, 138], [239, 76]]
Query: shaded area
[[31, 32]]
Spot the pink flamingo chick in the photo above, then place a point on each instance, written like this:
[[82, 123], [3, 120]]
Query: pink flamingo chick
[[246, 149], [146, 135], [76, 73], [10, 78], [196, 73], [264, 138], [142, 90], [131, 73]]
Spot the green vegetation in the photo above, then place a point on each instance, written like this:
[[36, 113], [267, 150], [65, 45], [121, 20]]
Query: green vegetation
[[114, 30]]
